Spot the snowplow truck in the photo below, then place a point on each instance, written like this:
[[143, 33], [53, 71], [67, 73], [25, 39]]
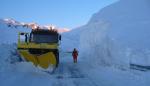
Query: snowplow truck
[[41, 47]]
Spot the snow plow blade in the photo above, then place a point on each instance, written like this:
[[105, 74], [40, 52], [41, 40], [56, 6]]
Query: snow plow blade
[[44, 60]]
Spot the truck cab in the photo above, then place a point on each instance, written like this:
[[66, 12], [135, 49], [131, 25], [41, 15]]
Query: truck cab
[[41, 47]]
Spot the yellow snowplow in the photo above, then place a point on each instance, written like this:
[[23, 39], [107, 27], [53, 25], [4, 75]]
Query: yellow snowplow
[[41, 47]]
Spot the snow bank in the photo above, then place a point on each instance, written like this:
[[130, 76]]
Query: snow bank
[[95, 45], [125, 40], [129, 20], [70, 40]]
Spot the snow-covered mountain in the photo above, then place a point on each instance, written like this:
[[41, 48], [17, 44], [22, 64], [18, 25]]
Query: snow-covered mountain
[[13, 23]]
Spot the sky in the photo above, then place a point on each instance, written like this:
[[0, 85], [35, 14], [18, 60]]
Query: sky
[[61, 13]]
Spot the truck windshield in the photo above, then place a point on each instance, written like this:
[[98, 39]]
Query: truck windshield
[[41, 38]]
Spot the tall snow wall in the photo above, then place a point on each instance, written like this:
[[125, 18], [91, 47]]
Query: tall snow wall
[[118, 34]]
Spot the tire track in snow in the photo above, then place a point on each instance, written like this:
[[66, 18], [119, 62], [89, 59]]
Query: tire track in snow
[[80, 78], [70, 74]]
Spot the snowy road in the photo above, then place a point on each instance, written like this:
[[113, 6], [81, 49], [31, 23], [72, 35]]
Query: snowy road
[[67, 74], [70, 74]]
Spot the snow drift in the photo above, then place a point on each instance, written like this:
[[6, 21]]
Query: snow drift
[[125, 40], [97, 46], [129, 20]]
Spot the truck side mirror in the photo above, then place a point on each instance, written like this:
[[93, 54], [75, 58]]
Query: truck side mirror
[[26, 38], [60, 37]]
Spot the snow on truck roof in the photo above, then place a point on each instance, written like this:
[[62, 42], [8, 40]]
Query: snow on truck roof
[[45, 31]]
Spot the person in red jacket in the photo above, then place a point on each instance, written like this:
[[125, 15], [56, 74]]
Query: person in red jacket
[[75, 55]]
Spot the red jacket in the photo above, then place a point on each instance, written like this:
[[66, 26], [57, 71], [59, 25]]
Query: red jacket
[[75, 53]]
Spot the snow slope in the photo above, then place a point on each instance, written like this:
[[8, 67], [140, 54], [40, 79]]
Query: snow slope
[[118, 34], [97, 46], [129, 20], [9, 34]]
